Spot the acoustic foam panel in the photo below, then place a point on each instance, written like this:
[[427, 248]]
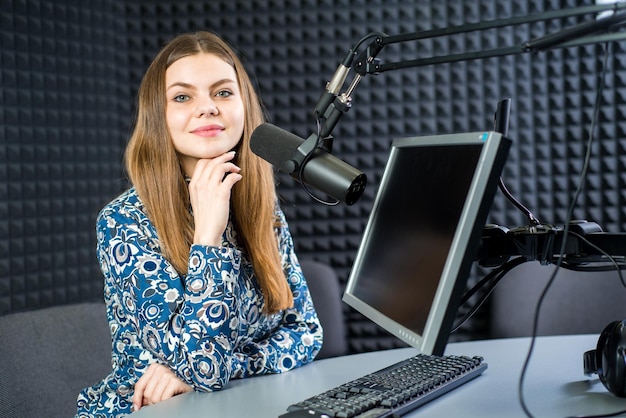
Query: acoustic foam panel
[[60, 148], [292, 49]]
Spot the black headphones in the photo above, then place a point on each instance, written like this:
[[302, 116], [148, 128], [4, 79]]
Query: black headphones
[[608, 360]]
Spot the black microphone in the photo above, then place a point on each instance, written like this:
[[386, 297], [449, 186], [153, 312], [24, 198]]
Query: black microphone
[[320, 169]]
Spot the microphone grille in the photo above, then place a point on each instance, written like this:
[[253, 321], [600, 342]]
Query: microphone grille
[[275, 146]]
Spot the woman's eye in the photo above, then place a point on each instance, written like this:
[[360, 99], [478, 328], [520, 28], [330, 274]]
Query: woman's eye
[[224, 93], [181, 98]]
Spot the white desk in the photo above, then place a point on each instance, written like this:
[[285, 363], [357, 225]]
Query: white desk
[[555, 385]]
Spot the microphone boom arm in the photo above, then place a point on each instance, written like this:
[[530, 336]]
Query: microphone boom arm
[[333, 105], [573, 36]]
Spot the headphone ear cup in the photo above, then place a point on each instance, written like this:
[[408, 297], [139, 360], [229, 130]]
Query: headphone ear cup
[[610, 358]]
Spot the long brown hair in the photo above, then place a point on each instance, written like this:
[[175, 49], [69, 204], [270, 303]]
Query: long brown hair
[[154, 168]]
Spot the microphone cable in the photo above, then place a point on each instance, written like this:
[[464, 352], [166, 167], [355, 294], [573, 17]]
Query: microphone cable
[[307, 158], [582, 179]]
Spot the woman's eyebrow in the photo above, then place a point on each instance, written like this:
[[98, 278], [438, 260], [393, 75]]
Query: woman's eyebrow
[[191, 86], [223, 81], [180, 84]]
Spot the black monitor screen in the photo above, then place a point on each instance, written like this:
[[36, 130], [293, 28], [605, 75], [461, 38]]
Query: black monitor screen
[[417, 248]]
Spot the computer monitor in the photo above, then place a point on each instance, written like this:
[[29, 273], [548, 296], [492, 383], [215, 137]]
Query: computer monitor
[[422, 234]]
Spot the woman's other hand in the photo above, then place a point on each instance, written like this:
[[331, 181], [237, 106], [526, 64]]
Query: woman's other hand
[[157, 384]]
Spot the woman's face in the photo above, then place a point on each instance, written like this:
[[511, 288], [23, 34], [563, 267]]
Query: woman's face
[[204, 112]]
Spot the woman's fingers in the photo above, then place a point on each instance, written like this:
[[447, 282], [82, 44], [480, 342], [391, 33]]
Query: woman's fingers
[[213, 172], [210, 191], [213, 179], [157, 384], [140, 389]]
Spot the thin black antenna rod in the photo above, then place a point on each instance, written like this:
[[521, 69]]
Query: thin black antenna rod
[[501, 125]]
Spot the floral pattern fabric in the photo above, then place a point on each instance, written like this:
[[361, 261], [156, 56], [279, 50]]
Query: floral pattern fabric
[[207, 326]]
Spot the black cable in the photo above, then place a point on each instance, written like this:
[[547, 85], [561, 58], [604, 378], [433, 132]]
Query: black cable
[[582, 179], [504, 268], [611, 258], [501, 125], [531, 217], [612, 414], [493, 278], [308, 157]]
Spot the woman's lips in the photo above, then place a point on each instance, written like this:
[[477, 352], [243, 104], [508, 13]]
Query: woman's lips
[[208, 131]]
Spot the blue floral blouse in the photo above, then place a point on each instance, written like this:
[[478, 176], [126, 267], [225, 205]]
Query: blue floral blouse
[[207, 326]]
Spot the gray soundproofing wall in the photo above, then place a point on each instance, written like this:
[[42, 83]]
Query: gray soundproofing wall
[[70, 70], [61, 140]]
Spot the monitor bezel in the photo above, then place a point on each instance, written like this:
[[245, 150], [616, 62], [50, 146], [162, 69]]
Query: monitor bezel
[[463, 247]]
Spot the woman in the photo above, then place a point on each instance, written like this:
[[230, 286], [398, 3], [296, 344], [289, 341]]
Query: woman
[[201, 281]]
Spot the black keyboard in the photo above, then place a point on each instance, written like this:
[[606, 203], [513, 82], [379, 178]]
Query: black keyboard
[[395, 390]]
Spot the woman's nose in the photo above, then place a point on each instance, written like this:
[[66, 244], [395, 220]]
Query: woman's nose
[[207, 107]]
